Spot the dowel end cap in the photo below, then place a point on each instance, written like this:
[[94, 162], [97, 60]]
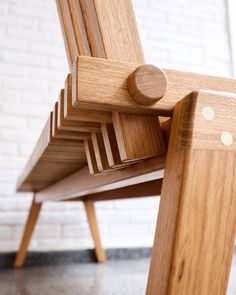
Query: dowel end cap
[[147, 84]]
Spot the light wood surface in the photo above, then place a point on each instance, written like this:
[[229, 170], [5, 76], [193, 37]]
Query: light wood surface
[[166, 129], [73, 125], [94, 34], [111, 146], [68, 30], [28, 231], [119, 31], [139, 190], [147, 84], [81, 183], [70, 113], [52, 159], [116, 44], [58, 133], [93, 224], [110, 89], [91, 158], [79, 27], [146, 144], [100, 152], [195, 232], [82, 37]]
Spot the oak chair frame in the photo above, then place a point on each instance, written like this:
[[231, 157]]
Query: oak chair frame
[[196, 225]]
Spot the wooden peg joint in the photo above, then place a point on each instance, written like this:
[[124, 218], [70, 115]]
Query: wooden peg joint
[[147, 84]]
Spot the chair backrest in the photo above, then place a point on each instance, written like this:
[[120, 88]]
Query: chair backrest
[[107, 29], [100, 28]]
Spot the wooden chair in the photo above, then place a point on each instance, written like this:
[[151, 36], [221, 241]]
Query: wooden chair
[[117, 124]]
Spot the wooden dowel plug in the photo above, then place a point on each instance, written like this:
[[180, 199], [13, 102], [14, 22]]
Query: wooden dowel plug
[[147, 84]]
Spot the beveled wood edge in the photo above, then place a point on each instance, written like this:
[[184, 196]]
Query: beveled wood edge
[[100, 189], [121, 71], [81, 183], [139, 190]]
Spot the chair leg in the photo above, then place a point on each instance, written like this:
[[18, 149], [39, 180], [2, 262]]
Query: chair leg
[[92, 220], [195, 233], [29, 228]]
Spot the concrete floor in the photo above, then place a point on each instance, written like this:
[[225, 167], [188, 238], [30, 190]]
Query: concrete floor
[[120, 277]]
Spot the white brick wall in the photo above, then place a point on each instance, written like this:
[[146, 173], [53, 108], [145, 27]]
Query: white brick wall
[[183, 34]]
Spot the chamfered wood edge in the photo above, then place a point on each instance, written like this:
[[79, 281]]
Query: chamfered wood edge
[[81, 183], [180, 84], [166, 275]]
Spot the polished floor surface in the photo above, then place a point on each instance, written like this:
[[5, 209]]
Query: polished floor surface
[[120, 277]]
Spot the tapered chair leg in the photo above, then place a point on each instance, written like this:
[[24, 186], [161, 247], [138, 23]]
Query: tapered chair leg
[[196, 225], [28, 231], [92, 220]]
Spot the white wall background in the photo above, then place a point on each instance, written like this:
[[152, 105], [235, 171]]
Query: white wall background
[[182, 34]]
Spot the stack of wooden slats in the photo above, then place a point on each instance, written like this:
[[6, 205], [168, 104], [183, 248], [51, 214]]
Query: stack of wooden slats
[[74, 135]]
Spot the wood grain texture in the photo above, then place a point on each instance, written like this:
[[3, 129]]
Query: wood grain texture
[[100, 152], [150, 140], [96, 38], [195, 232], [111, 146], [70, 113], [79, 28], [93, 225], [139, 190], [147, 84], [91, 24], [91, 158], [58, 133], [129, 130], [67, 30], [73, 125], [108, 79], [119, 31], [166, 129], [52, 159], [28, 231], [121, 43], [81, 183], [110, 90]]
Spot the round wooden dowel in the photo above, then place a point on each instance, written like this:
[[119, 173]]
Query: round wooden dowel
[[147, 84]]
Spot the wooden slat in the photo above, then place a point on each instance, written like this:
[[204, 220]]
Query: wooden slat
[[81, 183], [52, 159], [75, 36], [91, 158], [100, 152], [111, 146], [119, 31], [68, 30], [79, 28], [70, 113], [57, 133], [140, 190], [110, 90], [103, 162], [73, 125], [94, 35], [146, 145], [195, 232]]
